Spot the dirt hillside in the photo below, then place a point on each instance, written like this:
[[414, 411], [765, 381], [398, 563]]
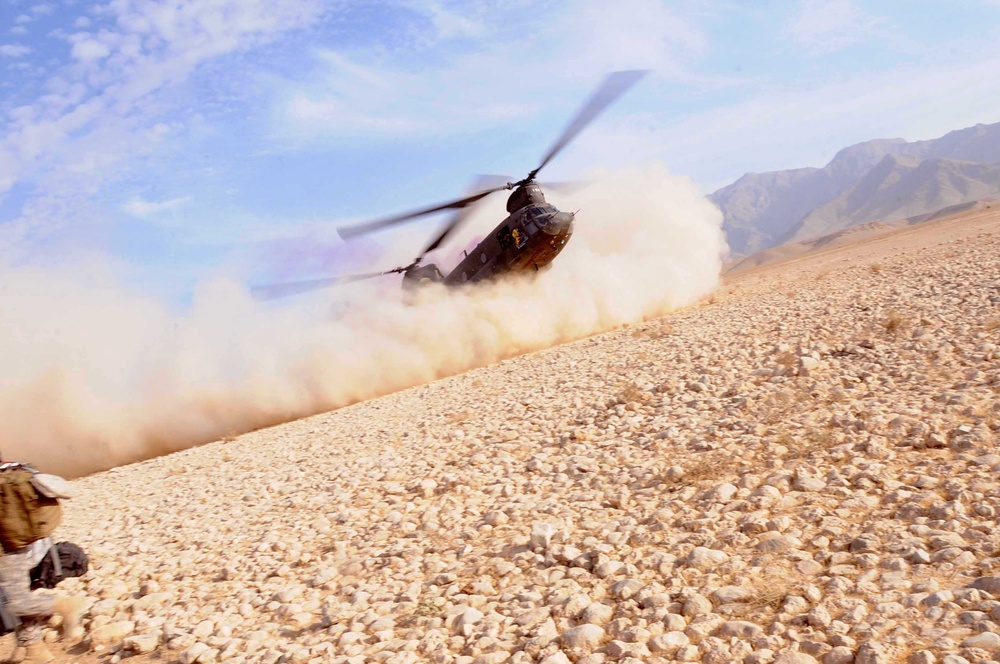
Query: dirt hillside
[[802, 468]]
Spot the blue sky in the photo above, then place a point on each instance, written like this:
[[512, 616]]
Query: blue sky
[[176, 140]]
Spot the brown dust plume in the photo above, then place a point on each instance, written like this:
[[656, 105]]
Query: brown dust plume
[[98, 377]]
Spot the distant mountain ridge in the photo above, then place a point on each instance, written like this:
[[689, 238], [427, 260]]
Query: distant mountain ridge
[[878, 180]]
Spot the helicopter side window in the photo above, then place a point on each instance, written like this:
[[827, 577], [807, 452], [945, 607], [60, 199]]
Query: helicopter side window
[[505, 238]]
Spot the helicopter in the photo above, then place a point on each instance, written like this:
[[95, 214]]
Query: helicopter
[[527, 240]]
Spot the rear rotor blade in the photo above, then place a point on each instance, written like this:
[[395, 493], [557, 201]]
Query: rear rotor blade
[[457, 220], [347, 232], [460, 217], [613, 87], [273, 291]]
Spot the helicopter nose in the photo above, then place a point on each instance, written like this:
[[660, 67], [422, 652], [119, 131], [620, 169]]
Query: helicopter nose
[[560, 223]]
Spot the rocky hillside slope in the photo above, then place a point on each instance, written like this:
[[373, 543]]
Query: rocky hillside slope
[[765, 209], [802, 469], [900, 188]]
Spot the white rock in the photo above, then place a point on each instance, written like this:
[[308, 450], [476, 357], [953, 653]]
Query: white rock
[[839, 655], [558, 657], [704, 558], [795, 658], [668, 643], [740, 629], [989, 641], [541, 534], [597, 614], [470, 616], [141, 643], [496, 518], [194, 653], [582, 638]]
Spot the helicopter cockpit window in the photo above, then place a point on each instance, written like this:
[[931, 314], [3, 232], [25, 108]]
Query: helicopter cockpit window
[[540, 214]]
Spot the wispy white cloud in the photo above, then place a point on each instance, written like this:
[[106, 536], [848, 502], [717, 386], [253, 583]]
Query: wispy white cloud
[[142, 208], [449, 24], [800, 127], [540, 56], [14, 50], [100, 109], [88, 50], [824, 26], [447, 71]]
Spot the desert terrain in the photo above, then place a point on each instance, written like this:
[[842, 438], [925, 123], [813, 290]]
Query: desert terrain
[[801, 468]]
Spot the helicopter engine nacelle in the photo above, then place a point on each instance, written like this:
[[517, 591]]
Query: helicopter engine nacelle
[[526, 194], [422, 275]]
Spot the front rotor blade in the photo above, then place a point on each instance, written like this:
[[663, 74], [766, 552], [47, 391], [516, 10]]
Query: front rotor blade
[[613, 87], [347, 232], [565, 187], [489, 181], [273, 291]]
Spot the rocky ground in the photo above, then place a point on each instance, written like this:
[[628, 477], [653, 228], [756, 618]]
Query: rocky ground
[[803, 468]]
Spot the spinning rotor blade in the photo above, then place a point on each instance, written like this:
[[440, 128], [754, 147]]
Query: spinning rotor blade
[[613, 87], [347, 232], [457, 220], [564, 187], [273, 291], [460, 217]]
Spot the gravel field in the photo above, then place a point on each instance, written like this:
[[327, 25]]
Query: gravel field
[[803, 468]]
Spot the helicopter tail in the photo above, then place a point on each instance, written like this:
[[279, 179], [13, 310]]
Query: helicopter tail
[[422, 275]]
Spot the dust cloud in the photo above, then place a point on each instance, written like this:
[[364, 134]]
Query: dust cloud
[[95, 377]]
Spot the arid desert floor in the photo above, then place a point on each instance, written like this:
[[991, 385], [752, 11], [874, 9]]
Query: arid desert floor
[[802, 468]]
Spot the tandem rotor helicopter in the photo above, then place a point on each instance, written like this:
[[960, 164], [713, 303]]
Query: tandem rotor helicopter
[[531, 236]]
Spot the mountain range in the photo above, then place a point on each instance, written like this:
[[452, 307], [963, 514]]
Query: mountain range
[[879, 180]]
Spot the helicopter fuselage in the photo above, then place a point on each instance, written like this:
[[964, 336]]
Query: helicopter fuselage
[[531, 236], [527, 240]]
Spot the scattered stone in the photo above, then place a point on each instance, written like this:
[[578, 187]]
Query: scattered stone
[[988, 641], [822, 488], [141, 643], [703, 558], [871, 653], [669, 643], [922, 657], [795, 658], [697, 605], [585, 637], [990, 584], [740, 629], [839, 655], [541, 535]]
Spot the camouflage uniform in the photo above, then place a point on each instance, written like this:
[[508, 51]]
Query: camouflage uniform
[[32, 609]]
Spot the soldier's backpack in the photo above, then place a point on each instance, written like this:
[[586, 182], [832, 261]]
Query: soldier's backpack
[[26, 513], [62, 560]]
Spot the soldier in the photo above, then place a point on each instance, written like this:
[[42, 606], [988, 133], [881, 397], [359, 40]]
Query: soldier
[[22, 610]]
